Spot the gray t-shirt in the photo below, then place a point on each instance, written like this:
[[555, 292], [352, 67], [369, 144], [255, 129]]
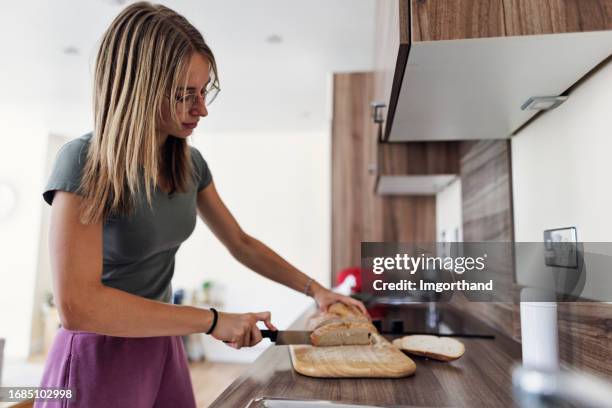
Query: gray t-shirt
[[138, 250]]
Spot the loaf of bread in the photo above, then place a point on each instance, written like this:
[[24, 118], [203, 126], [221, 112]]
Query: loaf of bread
[[341, 325], [342, 334], [439, 348], [364, 353], [347, 312], [321, 319], [380, 359]]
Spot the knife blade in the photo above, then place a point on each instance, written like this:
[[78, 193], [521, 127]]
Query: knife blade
[[286, 337]]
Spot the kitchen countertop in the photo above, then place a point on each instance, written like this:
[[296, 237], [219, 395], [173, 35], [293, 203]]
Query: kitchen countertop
[[482, 377]]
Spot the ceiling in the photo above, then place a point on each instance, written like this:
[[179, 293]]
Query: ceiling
[[266, 86]]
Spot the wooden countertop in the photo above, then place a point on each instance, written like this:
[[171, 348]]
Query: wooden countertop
[[482, 377]]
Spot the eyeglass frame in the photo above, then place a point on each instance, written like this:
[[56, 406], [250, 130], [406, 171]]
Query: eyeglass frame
[[213, 88]]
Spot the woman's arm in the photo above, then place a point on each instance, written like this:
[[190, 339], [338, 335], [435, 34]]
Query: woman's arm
[[85, 304], [255, 255]]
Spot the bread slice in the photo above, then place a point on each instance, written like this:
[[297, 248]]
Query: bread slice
[[342, 334], [439, 348]]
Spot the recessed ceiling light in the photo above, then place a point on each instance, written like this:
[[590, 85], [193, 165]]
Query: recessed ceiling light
[[115, 2], [274, 39], [71, 50], [543, 102]]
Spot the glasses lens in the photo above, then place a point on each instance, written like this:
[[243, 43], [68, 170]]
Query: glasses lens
[[183, 102], [187, 102]]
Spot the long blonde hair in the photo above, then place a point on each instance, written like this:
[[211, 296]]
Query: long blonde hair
[[140, 60]]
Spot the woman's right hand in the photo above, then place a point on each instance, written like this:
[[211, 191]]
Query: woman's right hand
[[240, 329]]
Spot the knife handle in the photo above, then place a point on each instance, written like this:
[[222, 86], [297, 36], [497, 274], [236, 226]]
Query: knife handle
[[270, 334]]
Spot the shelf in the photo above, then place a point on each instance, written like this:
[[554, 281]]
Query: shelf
[[413, 185]]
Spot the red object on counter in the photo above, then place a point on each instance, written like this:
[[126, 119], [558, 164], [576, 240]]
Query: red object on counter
[[353, 271]]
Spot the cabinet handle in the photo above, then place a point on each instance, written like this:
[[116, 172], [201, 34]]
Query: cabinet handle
[[377, 111], [378, 117]]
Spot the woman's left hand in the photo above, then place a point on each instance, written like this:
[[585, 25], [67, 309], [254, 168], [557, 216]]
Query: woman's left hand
[[325, 298]]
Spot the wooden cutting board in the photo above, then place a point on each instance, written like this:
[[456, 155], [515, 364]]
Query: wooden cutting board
[[381, 360]]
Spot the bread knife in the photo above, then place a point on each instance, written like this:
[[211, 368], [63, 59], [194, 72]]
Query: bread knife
[[286, 337]]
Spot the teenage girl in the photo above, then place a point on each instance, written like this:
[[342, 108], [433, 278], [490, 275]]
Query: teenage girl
[[124, 197]]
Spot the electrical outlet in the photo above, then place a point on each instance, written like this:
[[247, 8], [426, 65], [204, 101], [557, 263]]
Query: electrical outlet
[[560, 246]]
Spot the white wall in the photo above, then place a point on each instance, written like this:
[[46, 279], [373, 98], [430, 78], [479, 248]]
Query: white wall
[[43, 278], [562, 170], [449, 223], [277, 185], [562, 166], [22, 160]]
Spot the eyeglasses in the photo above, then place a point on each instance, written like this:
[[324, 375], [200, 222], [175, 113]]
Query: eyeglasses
[[190, 100]]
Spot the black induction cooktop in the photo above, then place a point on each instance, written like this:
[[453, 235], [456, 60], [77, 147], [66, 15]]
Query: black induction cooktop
[[436, 318]]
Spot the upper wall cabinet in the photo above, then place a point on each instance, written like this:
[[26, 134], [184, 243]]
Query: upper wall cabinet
[[416, 168], [462, 69]]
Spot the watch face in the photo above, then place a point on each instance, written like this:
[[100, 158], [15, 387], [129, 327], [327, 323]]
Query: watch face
[[8, 197]]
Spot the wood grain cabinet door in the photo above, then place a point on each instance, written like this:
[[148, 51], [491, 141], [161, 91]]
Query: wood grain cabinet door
[[358, 214], [436, 20], [532, 17]]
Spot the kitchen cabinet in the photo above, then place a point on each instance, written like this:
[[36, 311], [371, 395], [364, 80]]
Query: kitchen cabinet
[[358, 214], [415, 168], [462, 69]]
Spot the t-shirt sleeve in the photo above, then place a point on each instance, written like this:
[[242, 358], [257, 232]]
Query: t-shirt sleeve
[[203, 174], [67, 169]]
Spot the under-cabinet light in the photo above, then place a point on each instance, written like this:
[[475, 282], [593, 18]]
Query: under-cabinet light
[[543, 102]]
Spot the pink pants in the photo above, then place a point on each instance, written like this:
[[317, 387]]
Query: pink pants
[[106, 371]]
